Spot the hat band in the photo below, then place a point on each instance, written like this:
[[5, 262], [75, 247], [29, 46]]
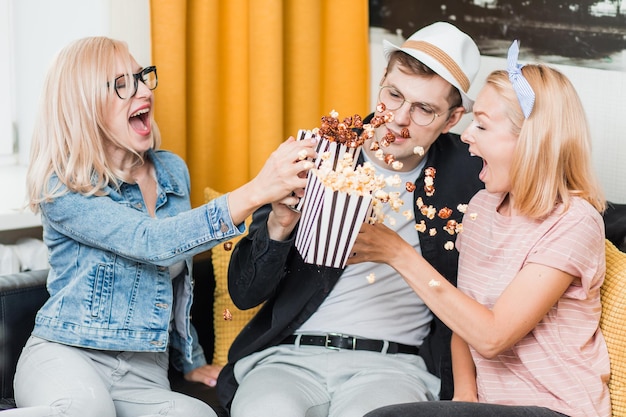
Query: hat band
[[442, 57]]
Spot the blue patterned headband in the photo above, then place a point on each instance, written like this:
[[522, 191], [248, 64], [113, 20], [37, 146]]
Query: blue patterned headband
[[525, 93]]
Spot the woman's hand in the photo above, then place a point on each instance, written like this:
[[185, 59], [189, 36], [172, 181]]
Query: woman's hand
[[284, 215], [377, 243], [206, 374], [284, 171], [282, 179]]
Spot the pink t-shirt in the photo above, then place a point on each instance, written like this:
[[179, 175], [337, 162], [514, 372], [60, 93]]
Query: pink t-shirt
[[563, 363]]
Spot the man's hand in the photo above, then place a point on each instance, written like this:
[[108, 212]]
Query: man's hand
[[206, 374]]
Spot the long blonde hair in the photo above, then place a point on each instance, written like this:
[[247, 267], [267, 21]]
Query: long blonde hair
[[552, 161], [70, 134]]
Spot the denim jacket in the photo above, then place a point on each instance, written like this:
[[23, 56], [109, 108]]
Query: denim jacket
[[109, 283]]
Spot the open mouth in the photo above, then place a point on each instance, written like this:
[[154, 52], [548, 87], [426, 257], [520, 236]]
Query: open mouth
[[483, 171], [140, 121]]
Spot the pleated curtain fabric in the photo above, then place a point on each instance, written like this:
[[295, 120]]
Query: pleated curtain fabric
[[237, 77]]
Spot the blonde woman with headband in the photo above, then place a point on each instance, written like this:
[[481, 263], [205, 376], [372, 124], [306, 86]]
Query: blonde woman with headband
[[121, 235], [525, 317]]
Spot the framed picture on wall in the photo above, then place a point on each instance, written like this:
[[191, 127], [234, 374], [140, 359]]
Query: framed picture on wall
[[586, 33]]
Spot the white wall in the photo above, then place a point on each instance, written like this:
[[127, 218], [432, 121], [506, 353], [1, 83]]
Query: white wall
[[43, 27], [40, 29], [602, 93]]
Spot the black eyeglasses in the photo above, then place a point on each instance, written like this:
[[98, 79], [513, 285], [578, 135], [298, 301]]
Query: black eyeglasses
[[421, 113], [148, 76]]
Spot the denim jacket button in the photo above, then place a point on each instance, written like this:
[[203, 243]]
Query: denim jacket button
[[138, 205], [156, 343]]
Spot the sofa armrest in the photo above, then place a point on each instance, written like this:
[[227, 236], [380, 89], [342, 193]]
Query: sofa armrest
[[21, 296]]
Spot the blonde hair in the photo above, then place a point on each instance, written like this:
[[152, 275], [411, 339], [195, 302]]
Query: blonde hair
[[70, 135], [552, 161]]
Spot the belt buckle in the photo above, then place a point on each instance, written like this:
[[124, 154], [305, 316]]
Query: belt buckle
[[330, 336]]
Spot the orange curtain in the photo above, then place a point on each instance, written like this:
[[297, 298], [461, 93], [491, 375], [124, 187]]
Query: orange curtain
[[237, 77]]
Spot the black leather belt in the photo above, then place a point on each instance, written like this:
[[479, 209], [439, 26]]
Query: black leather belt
[[342, 341]]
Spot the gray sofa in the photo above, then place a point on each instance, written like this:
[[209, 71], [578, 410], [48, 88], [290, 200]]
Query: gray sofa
[[22, 294]]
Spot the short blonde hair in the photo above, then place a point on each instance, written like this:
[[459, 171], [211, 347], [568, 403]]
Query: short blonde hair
[[70, 135], [552, 160]]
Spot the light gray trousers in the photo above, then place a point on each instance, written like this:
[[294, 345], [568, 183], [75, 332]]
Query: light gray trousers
[[58, 380], [312, 381]]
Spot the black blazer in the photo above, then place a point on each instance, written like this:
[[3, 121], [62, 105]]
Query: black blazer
[[262, 270]]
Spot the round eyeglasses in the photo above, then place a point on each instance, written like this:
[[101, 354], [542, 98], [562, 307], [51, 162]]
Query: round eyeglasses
[[148, 76], [421, 113]]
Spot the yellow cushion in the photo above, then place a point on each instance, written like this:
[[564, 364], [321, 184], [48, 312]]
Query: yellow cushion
[[225, 330], [613, 324]]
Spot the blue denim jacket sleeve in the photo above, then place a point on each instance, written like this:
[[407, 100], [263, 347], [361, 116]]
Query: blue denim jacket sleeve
[[112, 224], [177, 358]]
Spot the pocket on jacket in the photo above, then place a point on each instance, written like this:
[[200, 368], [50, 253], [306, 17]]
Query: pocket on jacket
[[99, 291]]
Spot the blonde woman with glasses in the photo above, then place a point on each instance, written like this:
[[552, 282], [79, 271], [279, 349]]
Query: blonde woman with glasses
[[121, 235]]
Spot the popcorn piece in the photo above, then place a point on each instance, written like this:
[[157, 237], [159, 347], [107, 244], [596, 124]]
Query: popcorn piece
[[450, 227], [381, 107], [228, 246], [432, 232], [410, 187], [371, 278], [418, 150], [433, 283], [421, 226], [408, 214], [387, 139], [393, 180], [368, 129], [462, 208], [302, 155], [445, 213], [397, 165], [405, 133], [449, 245], [389, 159], [227, 314], [429, 181], [428, 211], [395, 201], [381, 195], [473, 216]]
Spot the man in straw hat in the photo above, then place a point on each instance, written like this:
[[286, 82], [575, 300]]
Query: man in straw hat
[[331, 342]]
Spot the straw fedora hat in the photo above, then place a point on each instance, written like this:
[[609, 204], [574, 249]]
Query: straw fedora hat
[[448, 51]]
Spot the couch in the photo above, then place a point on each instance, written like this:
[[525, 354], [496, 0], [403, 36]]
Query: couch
[[21, 295]]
